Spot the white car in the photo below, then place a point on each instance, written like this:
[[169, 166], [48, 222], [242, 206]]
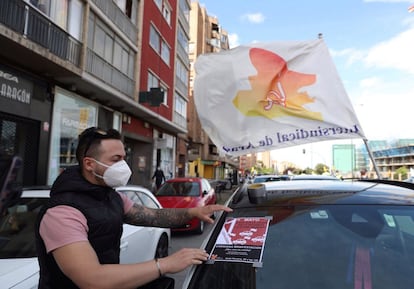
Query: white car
[[19, 267], [409, 180], [269, 178]]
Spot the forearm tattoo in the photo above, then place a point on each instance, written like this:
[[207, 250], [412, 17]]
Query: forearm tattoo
[[142, 216]]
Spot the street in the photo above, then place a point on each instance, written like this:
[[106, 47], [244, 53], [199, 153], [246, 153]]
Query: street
[[191, 240], [186, 240]]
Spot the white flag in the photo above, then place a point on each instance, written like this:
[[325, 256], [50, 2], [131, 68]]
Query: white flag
[[272, 95]]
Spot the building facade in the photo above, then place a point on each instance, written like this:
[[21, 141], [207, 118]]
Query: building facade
[[69, 65], [391, 156], [206, 36], [343, 158]]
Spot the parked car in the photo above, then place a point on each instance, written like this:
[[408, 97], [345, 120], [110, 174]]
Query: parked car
[[409, 180], [321, 234], [269, 178], [314, 177], [187, 193], [18, 262]]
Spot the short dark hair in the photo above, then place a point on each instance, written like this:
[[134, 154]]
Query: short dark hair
[[91, 138]]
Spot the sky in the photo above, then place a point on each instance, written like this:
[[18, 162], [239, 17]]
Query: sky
[[371, 43]]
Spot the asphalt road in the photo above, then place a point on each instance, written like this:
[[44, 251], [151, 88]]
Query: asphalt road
[[191, 240]]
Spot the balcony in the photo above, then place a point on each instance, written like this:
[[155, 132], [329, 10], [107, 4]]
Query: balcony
[[98, 67], [36, 27], [112, 11], [180, 120]]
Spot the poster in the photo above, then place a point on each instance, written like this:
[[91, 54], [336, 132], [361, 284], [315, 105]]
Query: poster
[[241, 240]]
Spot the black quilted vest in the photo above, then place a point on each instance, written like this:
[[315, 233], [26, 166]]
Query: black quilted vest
[[103, 209]]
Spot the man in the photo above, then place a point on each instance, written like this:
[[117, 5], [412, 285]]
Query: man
[[78, 232], [159, 177]]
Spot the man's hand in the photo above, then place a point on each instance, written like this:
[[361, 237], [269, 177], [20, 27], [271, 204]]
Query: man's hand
[[181, 259], [205, 213]]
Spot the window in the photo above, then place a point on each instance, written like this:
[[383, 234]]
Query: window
[[43, 6], [165, 9], [67, 14], [99, 41], [185, 8], [152, 81], [182, 38], [165, 90], [181, 71], [165, 52], [159, 45], [73, 114], [102, 41], [154, 39], [158, 3], [75, 22], [59, 13], [166, 12], [180, 106]]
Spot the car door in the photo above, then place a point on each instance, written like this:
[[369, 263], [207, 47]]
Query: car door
[[138, 243], [210, 197]]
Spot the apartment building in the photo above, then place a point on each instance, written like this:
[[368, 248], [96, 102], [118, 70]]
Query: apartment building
[[69, 65], [163, 89], [206, 36]]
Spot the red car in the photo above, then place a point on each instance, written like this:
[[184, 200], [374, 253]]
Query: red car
[[187, 193]]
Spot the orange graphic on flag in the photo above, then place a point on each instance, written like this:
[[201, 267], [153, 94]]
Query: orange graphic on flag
[[275, 89]]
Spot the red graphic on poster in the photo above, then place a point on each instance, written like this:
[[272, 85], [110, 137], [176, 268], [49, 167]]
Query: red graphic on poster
[[241, 239]]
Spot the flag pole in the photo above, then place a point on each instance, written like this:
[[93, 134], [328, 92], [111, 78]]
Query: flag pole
[[372, 158]]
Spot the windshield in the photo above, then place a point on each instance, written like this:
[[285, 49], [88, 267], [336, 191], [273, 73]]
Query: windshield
[[325, 247], [180, 189], [264, 179], [17, 239]]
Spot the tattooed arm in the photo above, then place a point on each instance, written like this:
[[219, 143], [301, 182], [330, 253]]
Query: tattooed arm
[[143, 216]]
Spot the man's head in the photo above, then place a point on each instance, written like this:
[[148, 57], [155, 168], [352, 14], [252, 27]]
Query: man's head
[[101, 154], [89, 142]]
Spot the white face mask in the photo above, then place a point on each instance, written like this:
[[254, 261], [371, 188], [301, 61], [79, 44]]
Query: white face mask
[[115, 175]]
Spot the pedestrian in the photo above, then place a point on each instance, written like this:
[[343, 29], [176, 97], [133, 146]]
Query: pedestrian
[[78, 231], [159, 177]]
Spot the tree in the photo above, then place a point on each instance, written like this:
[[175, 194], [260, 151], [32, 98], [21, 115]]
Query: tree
[[320, 169], [403, 172], [308, 171]]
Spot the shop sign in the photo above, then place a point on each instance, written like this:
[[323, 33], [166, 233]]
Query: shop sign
[[14, 87]]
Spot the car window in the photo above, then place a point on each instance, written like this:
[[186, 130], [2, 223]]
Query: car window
[[183, 188], [195, 189], [189, 189], [266, 179], [133, 196], [323, 247], [206, 187], [147, 201], [17, 229], [141, 199], [167, 189]]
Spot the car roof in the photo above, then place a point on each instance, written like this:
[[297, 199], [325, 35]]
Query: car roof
[[185, 179], [313, 177], [315, 192], [36, 192], [264, 176], [44, 191]]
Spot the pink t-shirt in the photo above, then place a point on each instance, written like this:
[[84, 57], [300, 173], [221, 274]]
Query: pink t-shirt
[[73, 222]]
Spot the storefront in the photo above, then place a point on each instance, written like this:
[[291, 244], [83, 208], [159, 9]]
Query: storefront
[[25, 110], [71, 115]]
